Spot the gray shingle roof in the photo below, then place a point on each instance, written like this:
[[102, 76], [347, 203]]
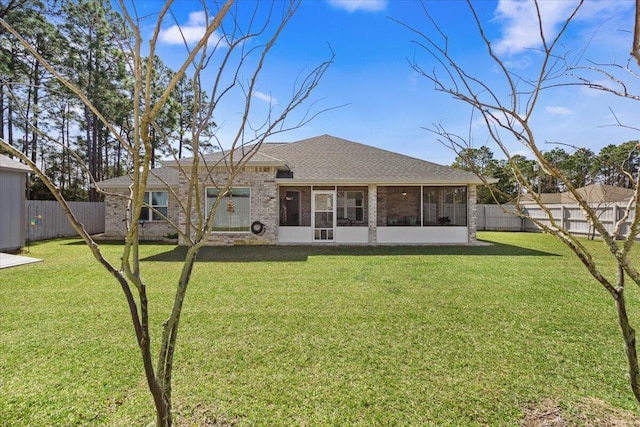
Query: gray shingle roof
[[7, 163], [218, 159], [157, 178], [593, 194], [329, 160]]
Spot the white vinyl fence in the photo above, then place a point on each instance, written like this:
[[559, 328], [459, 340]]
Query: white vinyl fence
[[491, 217], [46, 220]]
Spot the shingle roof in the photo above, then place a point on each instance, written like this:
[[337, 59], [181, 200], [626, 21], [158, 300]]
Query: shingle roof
[[157, 178], [327, 159], [218, 159], [593, 194], [601, 193], [7, 163]]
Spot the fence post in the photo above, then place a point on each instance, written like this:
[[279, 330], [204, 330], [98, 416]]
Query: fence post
[[484, 219]]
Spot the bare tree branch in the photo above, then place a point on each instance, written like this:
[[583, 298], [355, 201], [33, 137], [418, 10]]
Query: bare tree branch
[[507, 119]]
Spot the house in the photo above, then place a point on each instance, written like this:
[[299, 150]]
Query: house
[[317, 190], [12, 208]]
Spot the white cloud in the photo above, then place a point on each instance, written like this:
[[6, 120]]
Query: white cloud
[[520, 63], [562, 111], [364, 5], [521, 28], [264, 97], [596, 9], [191, 32]]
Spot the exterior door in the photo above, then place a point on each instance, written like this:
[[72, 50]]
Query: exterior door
[[324, 216], [292, 208]]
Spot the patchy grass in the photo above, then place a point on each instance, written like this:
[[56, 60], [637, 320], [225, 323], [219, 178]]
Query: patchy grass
[[281, 336]]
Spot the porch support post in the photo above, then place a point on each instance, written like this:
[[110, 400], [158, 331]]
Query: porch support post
[[373, 214], [472, 212]]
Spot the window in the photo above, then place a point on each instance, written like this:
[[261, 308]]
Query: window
[[156, 202], [350, 207], [234, 211], [444, 206]]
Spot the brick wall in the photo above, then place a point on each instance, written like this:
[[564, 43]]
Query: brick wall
[[264, 203], [117, 216]]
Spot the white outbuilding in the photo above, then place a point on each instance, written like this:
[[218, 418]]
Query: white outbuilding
[[13, 220]]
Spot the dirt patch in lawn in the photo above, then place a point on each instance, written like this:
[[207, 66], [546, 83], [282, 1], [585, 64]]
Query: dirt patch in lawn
[[202, 416], [590, 413]]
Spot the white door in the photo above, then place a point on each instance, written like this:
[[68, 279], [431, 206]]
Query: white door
[[324, 216]]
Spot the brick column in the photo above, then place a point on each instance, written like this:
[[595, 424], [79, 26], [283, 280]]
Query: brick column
[[472, 212], [373, 213]]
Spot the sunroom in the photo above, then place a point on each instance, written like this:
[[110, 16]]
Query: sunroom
[[383, 214]]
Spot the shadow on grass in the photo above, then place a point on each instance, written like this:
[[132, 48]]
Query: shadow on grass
[[302, 253]]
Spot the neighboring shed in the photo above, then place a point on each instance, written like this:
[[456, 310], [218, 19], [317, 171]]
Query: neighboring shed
[[12, 210]]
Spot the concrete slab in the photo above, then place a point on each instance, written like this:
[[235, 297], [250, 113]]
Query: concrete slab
[[8, 260]]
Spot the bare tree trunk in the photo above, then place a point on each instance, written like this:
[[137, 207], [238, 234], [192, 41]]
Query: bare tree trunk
[[629, 335], [508, 119], [36, 100], [12, 68], [139, 146], [2, 111], [635, 48]]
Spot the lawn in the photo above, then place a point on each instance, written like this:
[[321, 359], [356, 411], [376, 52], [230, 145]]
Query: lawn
[[299, 336]]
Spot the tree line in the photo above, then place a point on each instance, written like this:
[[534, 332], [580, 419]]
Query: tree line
[[614, 165], [84, 40]]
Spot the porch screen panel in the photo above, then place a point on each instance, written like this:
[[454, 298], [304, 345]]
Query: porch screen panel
[[444, 206], [398, 206], [455, 205], [431, 206], [234, 211], [351, 208]]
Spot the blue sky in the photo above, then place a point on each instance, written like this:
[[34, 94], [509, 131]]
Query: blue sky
[[387, 105]]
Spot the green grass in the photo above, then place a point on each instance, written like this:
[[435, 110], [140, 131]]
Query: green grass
[[321, 336]]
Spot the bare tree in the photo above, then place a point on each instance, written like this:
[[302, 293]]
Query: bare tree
[[232, 52], [507, 110]]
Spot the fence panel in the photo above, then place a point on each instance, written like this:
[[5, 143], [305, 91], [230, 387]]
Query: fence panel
[[46, 219], [491, 217]]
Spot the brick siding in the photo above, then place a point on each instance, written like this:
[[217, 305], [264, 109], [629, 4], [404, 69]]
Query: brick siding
[[117, 216]]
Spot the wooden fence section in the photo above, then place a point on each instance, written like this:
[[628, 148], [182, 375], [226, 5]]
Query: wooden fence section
[[491, 217], [46, 220]]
